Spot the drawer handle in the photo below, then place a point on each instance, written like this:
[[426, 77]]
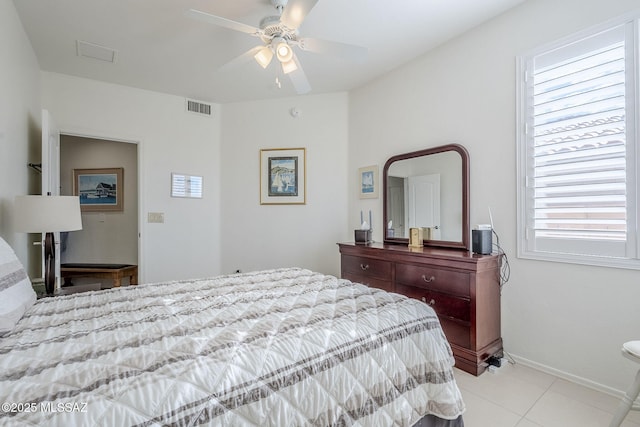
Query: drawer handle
[[428, 279], [432, 302], [364, 267]]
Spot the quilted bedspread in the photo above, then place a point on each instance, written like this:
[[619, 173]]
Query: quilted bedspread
[[283, 347]]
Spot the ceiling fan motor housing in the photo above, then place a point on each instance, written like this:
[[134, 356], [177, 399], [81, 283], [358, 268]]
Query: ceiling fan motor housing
[[279, 4], [272, 29]]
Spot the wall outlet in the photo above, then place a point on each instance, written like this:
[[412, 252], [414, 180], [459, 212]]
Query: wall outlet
[[157, 217]]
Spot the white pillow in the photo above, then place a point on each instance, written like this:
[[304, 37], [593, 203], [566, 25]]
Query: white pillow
[[16, 292]]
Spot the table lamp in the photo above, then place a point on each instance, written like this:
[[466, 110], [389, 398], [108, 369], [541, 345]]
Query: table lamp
[[47, 214]]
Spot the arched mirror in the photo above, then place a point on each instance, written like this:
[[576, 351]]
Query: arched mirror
[[428, 189]]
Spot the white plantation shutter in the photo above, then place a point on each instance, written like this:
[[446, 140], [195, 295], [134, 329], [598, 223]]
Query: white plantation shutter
[[577, 164]]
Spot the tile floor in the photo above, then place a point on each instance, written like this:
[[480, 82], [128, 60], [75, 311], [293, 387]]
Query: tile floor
[[516, 395]]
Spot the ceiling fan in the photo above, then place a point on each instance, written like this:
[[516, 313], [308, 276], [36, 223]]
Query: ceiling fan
[[279, 35]]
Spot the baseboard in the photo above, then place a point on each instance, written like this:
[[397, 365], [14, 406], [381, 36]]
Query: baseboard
[[567, 376]]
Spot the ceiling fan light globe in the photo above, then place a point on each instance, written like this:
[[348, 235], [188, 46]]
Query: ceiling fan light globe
[[284, 52], [289, 66], [264, 56]]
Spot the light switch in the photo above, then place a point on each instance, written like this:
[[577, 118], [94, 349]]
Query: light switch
[[157, 217]]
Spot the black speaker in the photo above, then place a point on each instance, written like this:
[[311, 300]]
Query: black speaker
[[481, 241]]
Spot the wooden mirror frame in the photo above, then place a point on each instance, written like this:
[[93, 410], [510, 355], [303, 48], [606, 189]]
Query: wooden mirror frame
[[464, 244]]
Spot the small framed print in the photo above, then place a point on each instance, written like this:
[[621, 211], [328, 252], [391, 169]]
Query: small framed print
[[283, 176], [368, 178]]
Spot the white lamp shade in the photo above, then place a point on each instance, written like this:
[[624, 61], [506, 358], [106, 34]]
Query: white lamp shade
[[263, 57], [44, 214], [284, 52], [288, 67]]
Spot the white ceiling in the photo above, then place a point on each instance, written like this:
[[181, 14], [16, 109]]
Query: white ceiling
[[160, 49]]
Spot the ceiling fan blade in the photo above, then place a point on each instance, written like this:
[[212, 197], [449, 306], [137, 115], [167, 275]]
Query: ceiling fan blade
[[222, 22], [299, 78], [342, 50], [240, 60], [295, 12]]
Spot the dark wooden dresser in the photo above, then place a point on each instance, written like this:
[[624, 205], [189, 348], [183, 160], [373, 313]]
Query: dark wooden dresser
[[463, 289]]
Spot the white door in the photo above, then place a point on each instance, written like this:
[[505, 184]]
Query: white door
[[424, 203], [51, 175]]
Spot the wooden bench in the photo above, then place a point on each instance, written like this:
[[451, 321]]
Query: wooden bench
[[102, 271]]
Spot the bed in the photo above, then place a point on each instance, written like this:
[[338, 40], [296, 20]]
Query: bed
[[283, 347]]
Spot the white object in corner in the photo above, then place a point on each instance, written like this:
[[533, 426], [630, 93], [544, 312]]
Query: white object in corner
[[295, 112]]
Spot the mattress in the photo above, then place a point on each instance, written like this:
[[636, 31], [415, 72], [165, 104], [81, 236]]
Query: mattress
[[283, 347]]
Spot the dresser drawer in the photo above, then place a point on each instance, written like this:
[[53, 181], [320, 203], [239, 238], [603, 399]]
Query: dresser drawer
[[456, 332], [438, 279], [385, 285], [368, 267], [444, 305]]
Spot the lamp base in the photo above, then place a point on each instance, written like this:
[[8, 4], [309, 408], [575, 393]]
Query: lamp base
[[49, 263]]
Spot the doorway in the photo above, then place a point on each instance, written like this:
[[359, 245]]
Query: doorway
[[396, 207], [423, 203], [109, 237]]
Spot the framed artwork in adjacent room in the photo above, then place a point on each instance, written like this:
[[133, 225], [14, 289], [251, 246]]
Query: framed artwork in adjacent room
[[100, 190], [283, 176]]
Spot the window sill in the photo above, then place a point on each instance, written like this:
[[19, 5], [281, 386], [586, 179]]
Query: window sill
[[625, 263]]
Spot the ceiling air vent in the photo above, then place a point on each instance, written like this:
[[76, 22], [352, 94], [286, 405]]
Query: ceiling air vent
[[198, 107], [94, 51]]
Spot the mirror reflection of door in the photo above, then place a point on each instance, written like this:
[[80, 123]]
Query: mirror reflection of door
[[396, 207], [446, 205], [424, 203]]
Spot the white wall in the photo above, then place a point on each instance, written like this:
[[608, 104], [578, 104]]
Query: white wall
[[568, 318], [187, 244], [258, 236], [19, 123]]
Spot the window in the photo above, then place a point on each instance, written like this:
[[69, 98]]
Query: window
[[577, 148]]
